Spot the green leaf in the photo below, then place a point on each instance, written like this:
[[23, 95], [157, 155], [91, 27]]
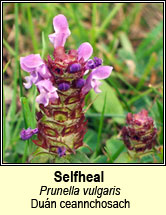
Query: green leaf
[[146, 159], [100, 159], [124, 158], [79, 157], [113, 148], [20, 147], [113, 105], [91, 140], [42, 156]]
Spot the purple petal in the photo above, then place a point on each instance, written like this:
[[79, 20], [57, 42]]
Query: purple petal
[[46, 97], [53, 96], [31, 62], [87, 87], [60, 23], [46, 85], [61, 151], [34, 78], [47, 92], [85, 51], [28, 133], [28, 83], [95, 85], [61, 31], [59, 39], [99, 73], [43, 71], [102, 72], [42, 98]]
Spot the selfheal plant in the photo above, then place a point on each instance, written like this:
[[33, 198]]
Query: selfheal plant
[[62, 88], [140, 133]]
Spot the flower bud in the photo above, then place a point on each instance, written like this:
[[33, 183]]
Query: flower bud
[[63, 86], [75, 67], [140, 132], [98, 61], [90, 64], [80, 83], [61, 151]]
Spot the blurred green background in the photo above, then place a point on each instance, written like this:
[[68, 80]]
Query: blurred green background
[[127, 36]]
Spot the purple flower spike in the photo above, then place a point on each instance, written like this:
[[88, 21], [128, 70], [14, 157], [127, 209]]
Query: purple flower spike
[[61, 151], [61, 31], [75, 67], [85, 51], [98, 61], [99, 73], [63, 86], [28, 133], [80, 83]]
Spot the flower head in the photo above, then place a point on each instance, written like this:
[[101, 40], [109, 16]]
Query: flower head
[[62, 86], [140, 132]]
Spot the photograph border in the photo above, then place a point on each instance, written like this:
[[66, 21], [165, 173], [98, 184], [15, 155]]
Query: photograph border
[[82, 164]]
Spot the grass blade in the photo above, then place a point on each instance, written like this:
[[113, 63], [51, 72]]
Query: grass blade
[[4, 125], [43, 45], [148, 68], [98, 146], [93, 31], [151, 37], [31, 29], [76, 17], [126, 44], [160, 110], [12, 109], [109, 18], [26, 112], [9, 48], [135, 98], [6, 66]]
